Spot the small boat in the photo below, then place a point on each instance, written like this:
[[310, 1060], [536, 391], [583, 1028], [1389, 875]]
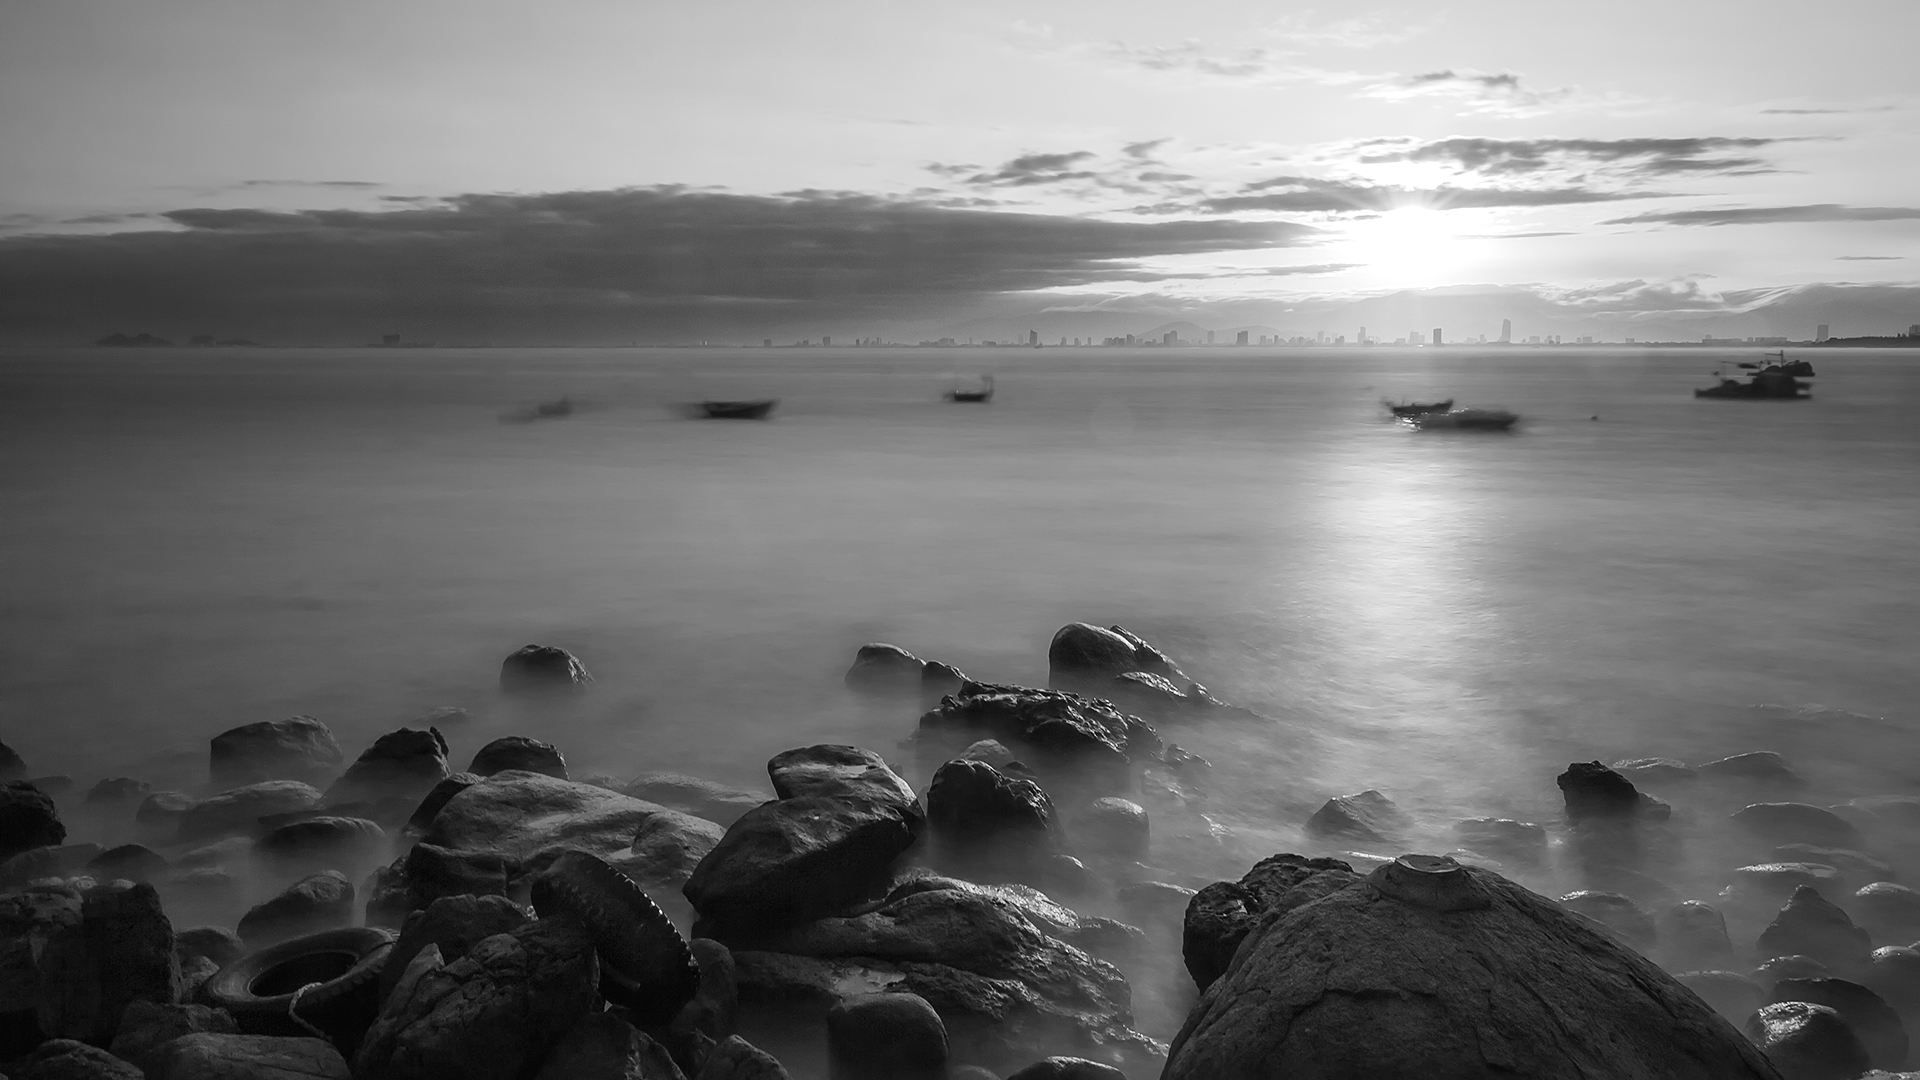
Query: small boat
[[1408, 409], [1778, 381], [738, 410], [983, 393], [557, 407], [1465, 420]]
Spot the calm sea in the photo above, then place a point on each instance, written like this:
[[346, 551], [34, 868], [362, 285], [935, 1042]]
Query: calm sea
[[199, 539]]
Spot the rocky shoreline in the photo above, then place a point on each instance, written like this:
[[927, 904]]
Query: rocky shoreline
[[1027, 914]]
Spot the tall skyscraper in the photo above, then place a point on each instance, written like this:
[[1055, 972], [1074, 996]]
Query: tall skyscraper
[[1436, 335], [1171, 339], [1033, 338], [825, 341], [1240, 338], [1362, 339], [1506, 331], [1209, 337], [1820, 333]]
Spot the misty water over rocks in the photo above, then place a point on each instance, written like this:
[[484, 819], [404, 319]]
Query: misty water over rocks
[[1448, 620]]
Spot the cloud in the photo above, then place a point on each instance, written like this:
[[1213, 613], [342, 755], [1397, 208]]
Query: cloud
[[1354, 33], [579, 265], [1772, 215], [1303, 194], [347, 184], [1827, 112], [1254, 64], [1488, 92], [1869, 258], [1028, 169], [1507, 157]]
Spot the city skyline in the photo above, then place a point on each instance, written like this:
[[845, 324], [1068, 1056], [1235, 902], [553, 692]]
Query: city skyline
[[276, 174]]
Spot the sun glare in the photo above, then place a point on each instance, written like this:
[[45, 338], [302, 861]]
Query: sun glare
[[1412, 245]]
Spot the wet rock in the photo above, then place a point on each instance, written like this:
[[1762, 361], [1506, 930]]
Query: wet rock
[[796, 859], [1627, 921], [67, 1059], [1155, 902], [520, 814], [734, 1058], [62, 861], [883, 667], [403, 764], [1732, 995], [297, 748], [840, 772], [11, 766], [1692, 936], [521, 754], [1655, 772], [992, 752], [27, 819], [453, 924], [1220, 915], [1778, 968], [147, 1026], [1068, 1068], [1893, 972], [1429, 968], [428, 872], [1772, 883], [971, 1072], [1761, 765], [436, 798], [1114, 827], [1807, 1042], [1085, 655], [490, 1015], [1797, 823], [711, 1012], [223, 1056], [1810, 926], [937, 680], [1368, 817], [119, 951], [667, 847], [117, 791], [1061, 728], [1877, 1025], [317, 902], [132, 862], [1856, 868], [1099, 936], [1888, 912], [238, 811], [691, 795], [162, 810], [537, 668], [1503, 838], [885, 1036], [602, 1046], [216, 943], [1593, 791], [971, 802], [324, 841]]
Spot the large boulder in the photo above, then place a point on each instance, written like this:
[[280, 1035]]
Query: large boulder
[[117, 791], [27, 819], [428, 872], [334, 842], [692, 795], [1693, 937], [491, 1015], [1760, 765], [454, 925], [1430, 968], [970, 802], [134, 862], [1068, 1068], [1626, 920], [1220, 916], [840, 772], [885, 1036], [120, 950], [1084, 655], [11, 766], [317, 902], [1810, 926], [1058, 728], [239, 810], [297, 748], [1797, 823], [734, 1058], [537, 668], [147, 1026], [69, 1059], [1888, 911], [519, 753], [883, 668], [1808, 1042], [400, 764], [1870, 1017], [1593, 791], [437, 797], [1367, 818], [63, 861], [227, 1056], [519, 815], [1114, 827]]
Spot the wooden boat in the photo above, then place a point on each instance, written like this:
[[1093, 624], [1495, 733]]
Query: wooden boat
[[1408, 409], [738, 410], [1465, 420], [984, 393]]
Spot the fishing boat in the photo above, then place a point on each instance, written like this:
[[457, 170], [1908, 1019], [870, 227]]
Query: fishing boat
[[738, 410], [1465, 420], [556, 407], [984, 392], [1776, 381], [1407, 409]]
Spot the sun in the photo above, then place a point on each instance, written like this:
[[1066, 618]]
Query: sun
[[1413, 245]]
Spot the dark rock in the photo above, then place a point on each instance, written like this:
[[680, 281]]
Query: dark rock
[[239, 810], [229, 852], [971, 1072], [1068, 1068], [691, 795], [1369, 817], [602, 1046], [793, 860], [535, 668], [1091, 933], [1627, 921], [938, 680], [162, 810], [880, 666], [444, 716], [1893, 972], [27, 921], [1060, 727], [117, 791], [147, 1026], [1154, 902], [404, 764], [66, 1059], [1731, 994], [455, 924], [1889, 912], [520, 815], [1764, 765], [441, 794], [120, 951], [840, 772], [711, 1012], [297, 748], [314, 903], [884, 1036], [1503, 838], [1085, 655], [991, 752], [216, 943], [1424, 969], [1115, 827], [1778, 968], [1810, 926], [490, 1015], [1693, 936], [11, 766], [1856, 868], [1593, 791], [58, 784], [1807, 1042], [521, 754], [1656, 771], [1772, 883], [667, 847], [734, 1058], [428, 872], [1220, 916], [219, 1056], [324, 841], [41, 862], [132, 862], [1871, 1018], [1797, 823], [971, 802], [27, 819]]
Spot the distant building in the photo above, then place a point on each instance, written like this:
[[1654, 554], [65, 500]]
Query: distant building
[[1436, 335], [391, 341], [1413, 337], [1914, 330], [1033, 338], [766, 343], [1506, 331], [1362, 339], [1820, 333], [1171, 339], [1240, 338]]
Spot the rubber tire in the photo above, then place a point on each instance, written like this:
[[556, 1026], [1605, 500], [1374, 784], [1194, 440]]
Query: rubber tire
[[343, 1006], [645, 965]]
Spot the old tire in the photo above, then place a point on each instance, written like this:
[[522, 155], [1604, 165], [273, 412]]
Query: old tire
[[645, 965], [334, 975]]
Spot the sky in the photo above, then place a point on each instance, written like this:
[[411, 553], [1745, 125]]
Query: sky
[[591, 171]]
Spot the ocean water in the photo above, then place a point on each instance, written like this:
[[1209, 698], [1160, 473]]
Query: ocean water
[[199, 539]]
